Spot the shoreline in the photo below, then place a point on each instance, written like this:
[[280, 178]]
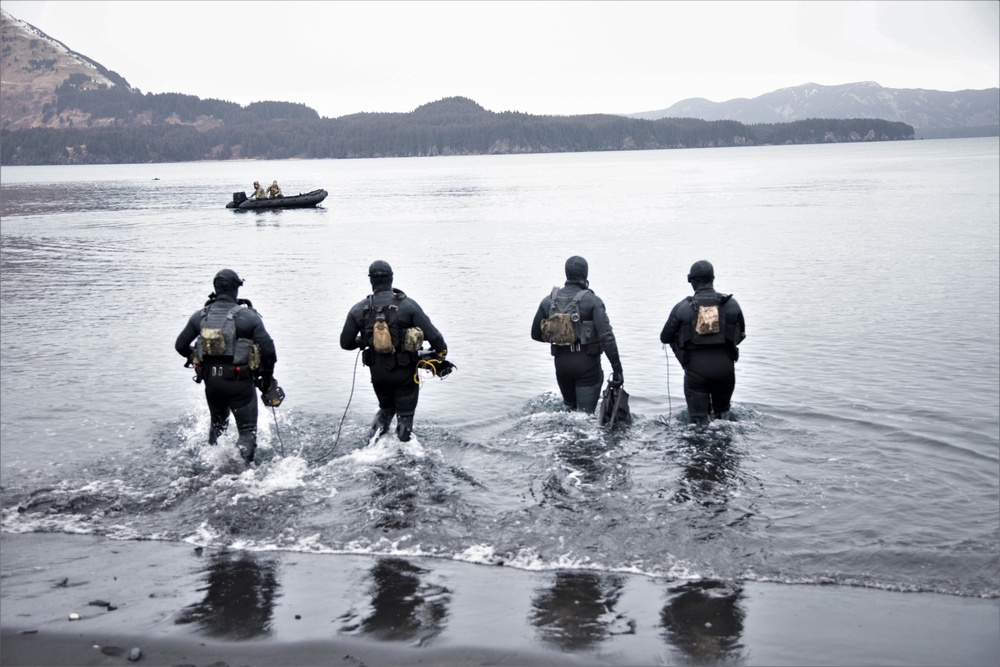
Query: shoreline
[[180, 604]]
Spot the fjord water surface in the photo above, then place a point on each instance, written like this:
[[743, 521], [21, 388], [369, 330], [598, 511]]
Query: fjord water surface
[[865, 445]]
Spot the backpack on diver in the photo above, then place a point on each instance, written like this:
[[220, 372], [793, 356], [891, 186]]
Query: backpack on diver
[[563, 326], [708, 320]]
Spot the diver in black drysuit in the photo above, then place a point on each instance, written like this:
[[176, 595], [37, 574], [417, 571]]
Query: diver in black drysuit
[[578, 366], [708, 360], [393, 375], [229, 387]]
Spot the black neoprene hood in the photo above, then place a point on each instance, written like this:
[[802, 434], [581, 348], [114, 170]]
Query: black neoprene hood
[[380, 275], [230, 276], [576, 268], [701, 271], [379, 269]]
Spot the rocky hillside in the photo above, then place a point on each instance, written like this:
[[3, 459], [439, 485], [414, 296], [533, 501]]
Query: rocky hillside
[[32, 66], [47, 85], [923, 109]]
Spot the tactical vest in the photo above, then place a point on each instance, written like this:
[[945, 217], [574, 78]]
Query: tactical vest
[[382, 330], [564, 326], [217, 337], [709, 326]]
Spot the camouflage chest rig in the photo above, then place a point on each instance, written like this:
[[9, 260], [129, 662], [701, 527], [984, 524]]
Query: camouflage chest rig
[[565, 329], [710, 326], [385, 336], [217, 338]]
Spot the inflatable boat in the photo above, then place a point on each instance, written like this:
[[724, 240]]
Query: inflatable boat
[[306, 200]]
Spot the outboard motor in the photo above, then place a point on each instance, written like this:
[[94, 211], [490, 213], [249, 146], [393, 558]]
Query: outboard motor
[[239, 197]]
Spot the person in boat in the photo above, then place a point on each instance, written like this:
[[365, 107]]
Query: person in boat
[[704, 331], [574, 322], [274, 190], [390, 329], [232, 352], [258, 192]]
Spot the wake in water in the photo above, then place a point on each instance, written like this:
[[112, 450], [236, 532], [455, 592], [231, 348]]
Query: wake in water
[[546, 489], [550, 489]]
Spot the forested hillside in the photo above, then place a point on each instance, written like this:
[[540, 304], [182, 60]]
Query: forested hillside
[[453, 126], [125, 107]]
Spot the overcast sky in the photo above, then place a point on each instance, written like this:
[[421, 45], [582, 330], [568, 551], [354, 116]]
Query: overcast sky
[[537, 57]]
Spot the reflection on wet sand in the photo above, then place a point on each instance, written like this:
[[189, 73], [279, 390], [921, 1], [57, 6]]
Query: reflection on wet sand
[[578, 611], [402, 606], [239, 597], [704, 621]]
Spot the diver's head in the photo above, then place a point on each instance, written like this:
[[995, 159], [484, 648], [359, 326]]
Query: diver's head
[[227, 282], [380, 275], [577, 270], [701, 273]]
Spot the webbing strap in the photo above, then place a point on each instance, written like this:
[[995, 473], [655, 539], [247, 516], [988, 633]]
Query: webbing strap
[[576, 298]]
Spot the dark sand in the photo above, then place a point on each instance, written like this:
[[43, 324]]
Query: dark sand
[[182, 606]]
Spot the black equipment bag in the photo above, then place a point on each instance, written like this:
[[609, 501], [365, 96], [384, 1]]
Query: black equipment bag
[[614, 406]]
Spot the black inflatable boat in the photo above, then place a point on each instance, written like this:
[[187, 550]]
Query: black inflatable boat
[[306, 200]]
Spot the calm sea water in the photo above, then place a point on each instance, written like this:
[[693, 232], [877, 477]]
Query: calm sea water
[[866, 445]]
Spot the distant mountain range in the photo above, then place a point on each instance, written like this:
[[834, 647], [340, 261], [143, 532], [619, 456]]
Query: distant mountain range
[[932, 113]]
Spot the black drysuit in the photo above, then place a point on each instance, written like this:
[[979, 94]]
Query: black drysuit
[[228, 387], [709, 374], [392, 374], [578, 368]]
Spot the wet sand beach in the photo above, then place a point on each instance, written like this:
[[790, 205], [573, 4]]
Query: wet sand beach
[[179, 604]]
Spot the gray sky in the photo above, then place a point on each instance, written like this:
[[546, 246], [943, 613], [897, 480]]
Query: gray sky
[[566, 57]]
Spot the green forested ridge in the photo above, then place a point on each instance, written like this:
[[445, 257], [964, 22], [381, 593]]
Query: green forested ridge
[[126, 106], [151, 128]]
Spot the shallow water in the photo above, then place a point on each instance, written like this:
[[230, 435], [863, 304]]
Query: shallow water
[[866, 443]]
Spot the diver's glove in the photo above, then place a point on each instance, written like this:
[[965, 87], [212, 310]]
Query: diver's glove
[[273, 395], [444, 367], [264, 383], [617, 378]]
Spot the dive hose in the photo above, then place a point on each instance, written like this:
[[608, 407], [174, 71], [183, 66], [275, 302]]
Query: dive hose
[[336, 440], [276, 431], [273, 398], [670, 407]]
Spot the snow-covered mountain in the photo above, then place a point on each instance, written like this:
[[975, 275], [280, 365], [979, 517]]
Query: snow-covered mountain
[[33, 65], [923, 109]]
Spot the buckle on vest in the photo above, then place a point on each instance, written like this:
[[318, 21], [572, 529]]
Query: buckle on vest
[[564, 349], [240, 372]]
